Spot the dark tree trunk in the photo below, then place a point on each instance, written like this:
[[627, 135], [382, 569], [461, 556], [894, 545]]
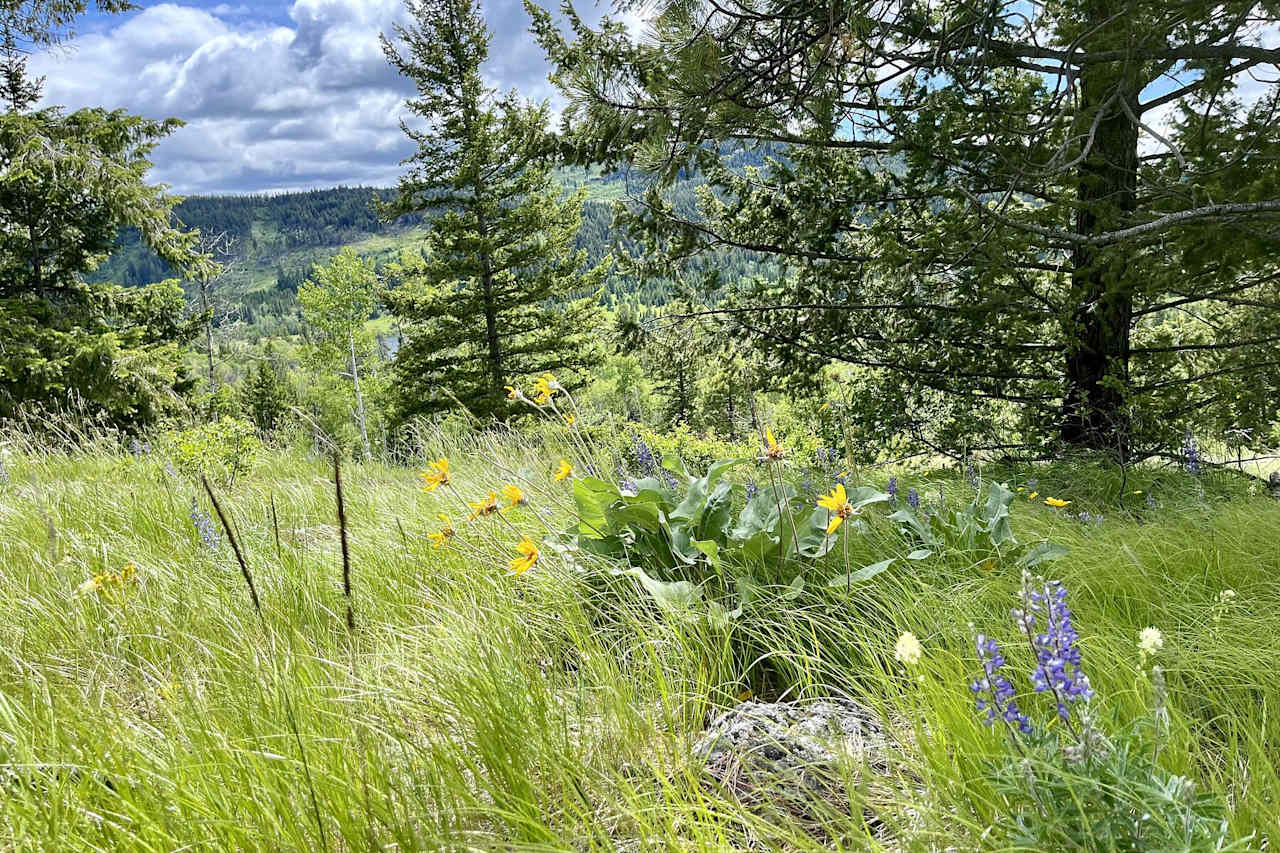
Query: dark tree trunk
[[1094, 412]]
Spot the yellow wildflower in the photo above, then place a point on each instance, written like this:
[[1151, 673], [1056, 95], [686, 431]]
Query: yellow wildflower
[[528, 556], [439, 538], [1056, 503], [564, 471], [570, 420], [837, 503], [436, 476], [488, 506], [773, 451], [514, 494], [544, 388], [1033, 495], [514, 393]]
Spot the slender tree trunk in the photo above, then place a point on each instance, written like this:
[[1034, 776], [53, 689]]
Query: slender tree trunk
[[208, 330], [355, 379], [496, 377], [1095, 402]]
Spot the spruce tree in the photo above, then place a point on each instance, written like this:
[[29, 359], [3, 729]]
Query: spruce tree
[[69, 182], [499, 294]]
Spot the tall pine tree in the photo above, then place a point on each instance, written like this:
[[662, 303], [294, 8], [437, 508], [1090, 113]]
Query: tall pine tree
[[499, 294], [1062, 216]]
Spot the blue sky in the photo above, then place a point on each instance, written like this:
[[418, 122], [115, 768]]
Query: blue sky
[[277, 95]]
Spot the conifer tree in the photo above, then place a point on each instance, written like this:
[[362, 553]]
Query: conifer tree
[[69, 182], [499, 294], [995, 208]]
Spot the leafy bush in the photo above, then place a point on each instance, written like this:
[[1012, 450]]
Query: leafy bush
[[221, 451]]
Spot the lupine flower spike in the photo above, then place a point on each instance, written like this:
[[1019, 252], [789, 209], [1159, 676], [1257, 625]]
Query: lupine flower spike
[[994, 692], [837, 503], [1057, 653], [528, 556]]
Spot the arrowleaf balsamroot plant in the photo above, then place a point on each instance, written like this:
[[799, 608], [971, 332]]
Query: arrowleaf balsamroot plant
[[533, 678]]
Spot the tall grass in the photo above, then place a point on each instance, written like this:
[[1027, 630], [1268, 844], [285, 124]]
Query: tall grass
[[554, 710]]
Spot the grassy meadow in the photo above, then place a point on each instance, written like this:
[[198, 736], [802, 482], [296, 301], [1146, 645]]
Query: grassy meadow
[[471, 708]]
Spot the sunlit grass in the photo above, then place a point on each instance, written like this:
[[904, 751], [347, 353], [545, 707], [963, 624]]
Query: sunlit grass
[[554, 710]]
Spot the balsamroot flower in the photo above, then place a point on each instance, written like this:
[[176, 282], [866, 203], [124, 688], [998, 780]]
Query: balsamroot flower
[[515, 495], [908, 649], [1056, 503], [773, 451], [837, 503], [444, 534], [528, 555], [544, 388], [564, 470], [436, 475], [488, 506]]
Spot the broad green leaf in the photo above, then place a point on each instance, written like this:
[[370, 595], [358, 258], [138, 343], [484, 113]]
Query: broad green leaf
[[861, 575], [670, 595], [695, 499], [593, 497], [1043, 552], [999, 500], [794, 588]]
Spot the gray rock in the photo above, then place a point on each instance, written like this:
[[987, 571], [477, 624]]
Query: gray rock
[[801, 757]]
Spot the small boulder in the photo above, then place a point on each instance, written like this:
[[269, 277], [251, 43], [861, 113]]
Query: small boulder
[[802, 757]]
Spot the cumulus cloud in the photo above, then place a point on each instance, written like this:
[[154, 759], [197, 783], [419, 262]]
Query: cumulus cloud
[[305, 100]]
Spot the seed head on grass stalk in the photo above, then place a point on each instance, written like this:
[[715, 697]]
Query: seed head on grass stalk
[[346, 552]]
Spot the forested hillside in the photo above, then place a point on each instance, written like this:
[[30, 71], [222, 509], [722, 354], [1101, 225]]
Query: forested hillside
[[270, 243]]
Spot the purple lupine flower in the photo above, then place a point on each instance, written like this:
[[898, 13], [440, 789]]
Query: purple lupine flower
[[994, 692], [209, 537], [806, 486], [1056, 647], [1151, 501], [971, 473], [752, 489], [913, 497], [645, 460], [1190, 454], [893, 491], [629, 485]]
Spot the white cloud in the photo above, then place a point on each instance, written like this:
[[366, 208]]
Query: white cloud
[[270, 107]]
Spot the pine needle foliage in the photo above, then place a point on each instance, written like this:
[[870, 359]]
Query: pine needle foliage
[[499, 292]]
